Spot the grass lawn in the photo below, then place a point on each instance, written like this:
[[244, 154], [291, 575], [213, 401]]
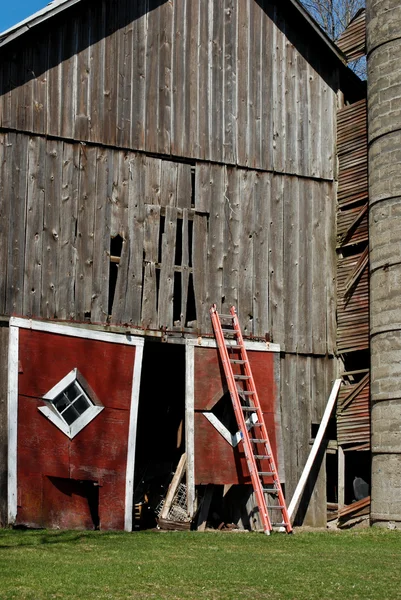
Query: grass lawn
[[190, 565]]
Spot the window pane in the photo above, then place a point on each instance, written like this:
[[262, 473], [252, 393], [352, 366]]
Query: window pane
[[81, 405], [61, 401], [71, 415]]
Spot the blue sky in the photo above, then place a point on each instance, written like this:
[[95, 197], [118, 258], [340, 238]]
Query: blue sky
[[13, 11]]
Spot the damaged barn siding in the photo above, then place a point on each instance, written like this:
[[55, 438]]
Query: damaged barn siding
[[253, 239]]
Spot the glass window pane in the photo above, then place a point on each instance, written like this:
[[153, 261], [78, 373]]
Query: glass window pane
[[81, 405], [61, 401], [71, 415]]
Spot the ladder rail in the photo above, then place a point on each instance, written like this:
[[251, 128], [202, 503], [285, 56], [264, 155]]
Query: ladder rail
[[249, 394], [261, 420]]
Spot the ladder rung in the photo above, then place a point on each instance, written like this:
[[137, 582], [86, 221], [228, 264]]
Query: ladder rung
[[245, 393], [236, 361], [262, 456], [234, 346], [258, 440], [241, 377], [251, 408], [266, 473], [279, 524], [225, 330], [226, 316], [270, 490], [274, 507]]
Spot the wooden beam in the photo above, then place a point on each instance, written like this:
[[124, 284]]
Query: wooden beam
[[314, 450], [178, 475]]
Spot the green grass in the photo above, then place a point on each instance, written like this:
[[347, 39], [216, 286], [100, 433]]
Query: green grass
[[235, 566]]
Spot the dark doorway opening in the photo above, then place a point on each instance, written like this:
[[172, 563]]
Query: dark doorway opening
[[357, 475], [161, 427]]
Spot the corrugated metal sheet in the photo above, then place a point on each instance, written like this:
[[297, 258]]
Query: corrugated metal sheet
[[353, 41], [353, 415]]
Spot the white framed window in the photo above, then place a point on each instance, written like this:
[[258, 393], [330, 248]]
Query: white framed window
[[71, 404]]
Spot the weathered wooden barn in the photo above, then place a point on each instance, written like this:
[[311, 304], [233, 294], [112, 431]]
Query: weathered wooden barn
[[157, 157]]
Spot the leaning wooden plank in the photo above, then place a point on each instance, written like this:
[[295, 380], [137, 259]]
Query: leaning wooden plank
[[166, 290], [314, 450], [178, 475]]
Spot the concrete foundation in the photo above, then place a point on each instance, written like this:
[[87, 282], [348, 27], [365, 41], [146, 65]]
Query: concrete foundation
[[384, 115]]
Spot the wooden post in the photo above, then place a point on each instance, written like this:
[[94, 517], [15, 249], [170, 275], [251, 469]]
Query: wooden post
[[341, 478]]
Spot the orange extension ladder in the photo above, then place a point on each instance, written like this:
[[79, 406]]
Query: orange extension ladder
[[254, 437]]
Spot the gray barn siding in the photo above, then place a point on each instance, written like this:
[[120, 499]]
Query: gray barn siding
[[261, 241], [191, 79]]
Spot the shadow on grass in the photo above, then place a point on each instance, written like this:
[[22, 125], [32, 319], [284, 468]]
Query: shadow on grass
[[21, 538]]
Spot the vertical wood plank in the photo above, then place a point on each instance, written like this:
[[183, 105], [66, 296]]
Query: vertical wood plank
[[136, 219], [68, 77], [246, 258], [216, 56], [242, 82], [152, 77], [51, 230], [82, 117], [17, 219], [215, 250], [191, 147], [101, 243], [153, 180], [232, 233], [110, 76], [261, 217], [203, 187], [168, 187], [203, 102], [200, 275], [68, 225], [85, 232], [319, 267], [151, 249], [291, 108], [180, 83], [276, 255], [230, 77], [124, 45], [166, 289], [34, 227], [96, 91], [279, 83], [165, 79], [330, 211], [139, 73], [54, 82], [268, 49], [291, 266], [184, 185]]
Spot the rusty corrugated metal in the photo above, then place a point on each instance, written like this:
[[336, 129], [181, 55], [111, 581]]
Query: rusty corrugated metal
[[353, 41], [353, 415]]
